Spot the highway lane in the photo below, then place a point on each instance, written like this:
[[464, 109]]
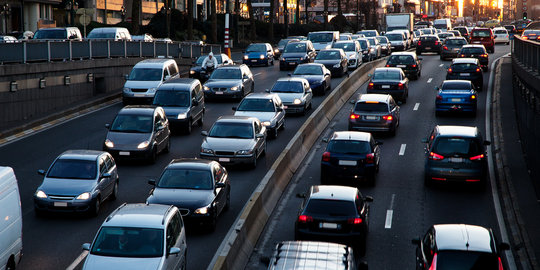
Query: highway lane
[[55, 242], [403, 207]]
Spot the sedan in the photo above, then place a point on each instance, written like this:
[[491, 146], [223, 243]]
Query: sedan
[[409, 62], [198, 72], [295, 94], [391, 81], [466, 69], [375, 113], [335, 60], [268, 108], [428, 43], [199, 188], [234, 140], [531, 34], [229, 82], [456, 96], [475, 51], [318, 76], [451, 47], [397, 41], [281, 46], [259, 54], [77, 181]]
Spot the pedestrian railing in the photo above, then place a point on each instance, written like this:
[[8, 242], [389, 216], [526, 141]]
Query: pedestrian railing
[[527, 53]]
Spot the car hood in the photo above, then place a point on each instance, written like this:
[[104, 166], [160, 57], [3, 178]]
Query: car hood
[[321, 46], [397, 42], [263, 116], [113, 263], [289, 97], [174, 111], [142, 84], [182, 198], [351, 55], [67, 187], [329, 62], [124, 139], [311, 78], [255, 54], [227, 83], [293, 54], [228, 144], [196, 68]]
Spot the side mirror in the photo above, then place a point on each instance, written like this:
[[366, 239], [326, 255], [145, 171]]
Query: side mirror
[[105, 175], [220, 185], [234, 108], [504, 246], [425, 140], [289, 74], [167, 77], [415, 241], [152, 182], [204, 133], [369, 75], [325, 140], [494, 36], [368, 199], [400, 103], [193, 61], [126, 77], [245, 77], [41, 172], [280, 109], [107, 126], [267, 90], [159, 127], [436, 88], [174, 250], [487, 142], [300, 195], [86, 246]]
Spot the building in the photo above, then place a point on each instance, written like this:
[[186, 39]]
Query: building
[[22, 15]]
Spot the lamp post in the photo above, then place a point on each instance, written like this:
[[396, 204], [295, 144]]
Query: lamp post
[[123, 12], [4, 11]]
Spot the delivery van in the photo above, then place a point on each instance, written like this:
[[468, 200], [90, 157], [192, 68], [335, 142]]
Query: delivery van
[[10, 220]]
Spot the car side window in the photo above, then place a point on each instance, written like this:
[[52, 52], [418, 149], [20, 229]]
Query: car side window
[[218, 173], [172, 232], [157, 119], [102, 166], [198, 91], [257, 127], [110, 162], [165, 73], [173, 69]]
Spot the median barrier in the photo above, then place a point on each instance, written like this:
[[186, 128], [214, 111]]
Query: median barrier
[[238, 244]]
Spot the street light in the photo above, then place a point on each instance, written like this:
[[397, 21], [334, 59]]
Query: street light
[[5, 12], [123, 12]]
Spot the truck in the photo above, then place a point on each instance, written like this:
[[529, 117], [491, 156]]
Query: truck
[[399, 21]]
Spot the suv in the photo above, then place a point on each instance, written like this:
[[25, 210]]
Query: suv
[[408, 62], [295, 53], [374, 112], [145, 77], [455, 154], [137, 233], [428, 43], [485, 37], [451, 47], [459, 246], [183, 102]]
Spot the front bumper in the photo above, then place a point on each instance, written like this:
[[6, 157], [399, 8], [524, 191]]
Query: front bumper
[[229, 159], [226, 93], [257, 61], [63, 206], [129, 154], [294, 108]]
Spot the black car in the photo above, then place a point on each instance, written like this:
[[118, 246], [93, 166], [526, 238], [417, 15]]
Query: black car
[[365, 46], [281, 46], [334, 214], [408, 62], [318, 76], [199, 188], [451, 47], [335, 60], [391, 81], [464, 31], [296, 53], [466, 69], [198, 72], [475, 51], [428, 43], [374, 113]]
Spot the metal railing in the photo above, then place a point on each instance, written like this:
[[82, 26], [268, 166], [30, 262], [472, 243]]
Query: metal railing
[[47, 51], [527, 53]]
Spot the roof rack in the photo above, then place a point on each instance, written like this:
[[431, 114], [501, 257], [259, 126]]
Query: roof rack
[[114, 212]]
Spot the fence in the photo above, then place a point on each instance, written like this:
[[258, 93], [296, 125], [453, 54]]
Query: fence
[[527, 53]]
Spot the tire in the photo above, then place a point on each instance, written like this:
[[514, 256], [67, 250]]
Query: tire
[[228, 202], [94, 210], [212, 224], [114, 193], [254, 161], [153, 156], [322, 92], [10, 264], [267, 63], [167, 148], [200, 122], [188, 128], [274, 133]]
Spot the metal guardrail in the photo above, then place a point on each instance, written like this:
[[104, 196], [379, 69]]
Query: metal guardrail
[[527, 53], [47, 51]]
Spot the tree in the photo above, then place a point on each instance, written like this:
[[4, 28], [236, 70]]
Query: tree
[[135, 16], [339, 11], [253, 29], [189, 20], [271, 20], [213, 34]]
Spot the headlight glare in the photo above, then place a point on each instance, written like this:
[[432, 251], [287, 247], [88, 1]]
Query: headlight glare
[[206, 88], [182, 116], [202, 211], [262, 56], [267, 123], [143, 145], [244, 152], [109, 143], [40, 194], [246, 57], [192, 72], [84, 196], [297, 101], [207, 151], [234, 88]]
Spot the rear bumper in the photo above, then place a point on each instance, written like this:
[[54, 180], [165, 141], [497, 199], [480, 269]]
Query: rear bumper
[[456, 175]]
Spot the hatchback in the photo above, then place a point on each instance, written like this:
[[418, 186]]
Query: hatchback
[[374, 113], [259, 54], [295, 93], [466, 69], [408, 62], [398, 41], [386, 46], [463, 31], [456, 96], [268, 108], [229, 82], [455, 154], [334, 60], [451, 47], [365, 46], [353, 51], [428, 43], [483, 36], [391, 81], [334, 214], [475, 51], [501, 35], [296, 53], [352, 156]]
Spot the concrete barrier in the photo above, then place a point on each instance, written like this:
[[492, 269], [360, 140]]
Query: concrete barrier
[[236, 248]]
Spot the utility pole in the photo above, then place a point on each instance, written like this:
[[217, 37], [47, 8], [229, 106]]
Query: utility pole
[[286, 17]]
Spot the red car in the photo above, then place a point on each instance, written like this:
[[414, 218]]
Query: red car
[[485, 37]]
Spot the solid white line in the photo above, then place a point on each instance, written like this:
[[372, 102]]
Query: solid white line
[[416, 107], [388, 223], [429, 80], [78, 260], [402, 149], [441, 65], [256, 74]]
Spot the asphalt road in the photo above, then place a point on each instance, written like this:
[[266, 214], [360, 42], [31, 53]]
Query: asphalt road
[[403, 207], [54, 242]]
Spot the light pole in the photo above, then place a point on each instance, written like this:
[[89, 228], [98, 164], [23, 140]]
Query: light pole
[[123, 12], [5, 11]]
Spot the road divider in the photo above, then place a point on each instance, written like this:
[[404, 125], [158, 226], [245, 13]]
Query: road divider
[[238, 244]]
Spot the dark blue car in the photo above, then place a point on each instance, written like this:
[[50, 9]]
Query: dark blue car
[[456, 96], [259, 54]]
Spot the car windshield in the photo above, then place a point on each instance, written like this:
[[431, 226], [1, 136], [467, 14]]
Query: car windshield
[[451, 259], [283, 42], [348, 147], [500, 31], [200, 60], [475, 50], [451, 146], [334, 208], [128, 242], [394, 37], [320, 37], [371, 107], [145, 74], [51, 34], [132, 123], [231, 130], [455, 42], [382, 40], [256, 48], [166, 98], [287, 87], [328, 55], [464, 67], [385, 75], [93, 34], [456, 85], [368, 33], [226, 73], [363, 44], [295, 47], [185, 179], [308, 70], [348, 47], [73, 169], [256, 105], [428, 38], [372, 41], [401, 59], [481, 33]]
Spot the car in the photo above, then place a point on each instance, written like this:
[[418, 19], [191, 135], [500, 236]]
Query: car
[[451, 47], [138, 132], [455, 154], [7, 39], [234, 81], [492, 23], [416, 36], [483, 36], [455, 32], [427, 31], [258, 54], [266, 107], [295, 94], [466, 69], [318, 76], [368, 33], [11, 242], [365, 46], [456, 96], [345, 37], [334, 60], [459, 246], [139, 236], [408, 62], [199, 188], [323, 39], [234, 140], [475, 51], [197, 72], [296, 53], [352, 50], [281, 46], [398, 41], [375, 47], [78, 181], [391, 81], [336, 214], [428, 43], [182, 99], [511, 30], [144, 79], [408, 37], [464, 31], [109, 33], [442, 36], [386, 46], [529, 34], [374, 113], [58, 33], [350, 158]]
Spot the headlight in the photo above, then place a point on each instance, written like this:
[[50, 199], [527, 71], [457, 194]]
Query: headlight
[[126, 89], [40, 194], [245, 57], [207, 151], [206, 88], [282, 59], [328, 46], [192, 72], [244, 152], [297, 101], [234, 88], [84, 196], [182, 116], [152, 90], [267, 123], [202, 210], [337, 65], [276, 50], [143, 145], [109, 143], [262, 56]]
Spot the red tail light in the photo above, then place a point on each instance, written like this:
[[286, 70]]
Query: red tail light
[[465, 34], [473, 97], [413, 65], [419, 43], [439, 97], [449, 70], [370, 158], [354, 116], [434, 262], [500, 264], [472, 180], [326, 156], [462, 55], [355, 221], [484, 55], [388, 117], [524, 37], [400, 86], [434, 156], [370, 85], [387, 65], [436, 42], [478, 70], [438, 179], [445, 48], [305, 219], [479, 157]]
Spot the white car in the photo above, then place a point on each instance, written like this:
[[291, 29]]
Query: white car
[[375, 47], [352, 50], [268, 108], [501, 35]]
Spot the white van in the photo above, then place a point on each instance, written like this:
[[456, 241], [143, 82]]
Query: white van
[[112, 33], [145, 77], [442, 24], [10, 220], [323, 39]]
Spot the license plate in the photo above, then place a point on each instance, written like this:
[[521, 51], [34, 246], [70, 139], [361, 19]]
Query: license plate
[[465, 74], [428, 48], [326, 225], [456, 50], [292, 63], [224, 159], [219, 92], [60, 204], [285, 107], [371, 117], [477, 42], [456, 159], [385, 86], [139, 95], [123, 153], [347, 162], [456, 99], [400, 66], [253, 60], [203, 72]]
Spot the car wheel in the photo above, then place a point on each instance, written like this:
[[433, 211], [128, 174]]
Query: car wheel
[[228, 202], [114, 193], [10, 264], [254, 161], [212, 224], [282, 127], [323, 89], [200, 122], [274, 133], [94, 210], [153, 156], [167, 146], [272, 62], [189, 125], [267, 62], [184, 263]]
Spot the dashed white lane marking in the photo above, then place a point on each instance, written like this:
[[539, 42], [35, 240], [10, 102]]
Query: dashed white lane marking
[[416, 107], [429, 80], [441, 65], [402, 149], [390, 213], [256, 74], [77, 261]]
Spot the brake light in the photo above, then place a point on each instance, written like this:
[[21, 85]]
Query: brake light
[[524, 37], [438, 178], [387, 65], [479, 157], [478, 70], [388, 117], [370, 85], [500, 264], [400, 85], [355, 221], [449, 70], [462, 55], [445, 48], [439, 97], [419, 43], [413, 65], [484, 55], [434, 262], [326, 156], [354, 116], [472, 180], [370, 158], [473, 97], [436, 42], [435, 156], [305, 219]]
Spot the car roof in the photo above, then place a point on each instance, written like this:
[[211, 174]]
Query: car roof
[[333, 192], [345, 41], [463, 237], [430, 35], [178, 84], [351, 135], [153, 62], [138, 109], [458, 82], [138, 215], [464, 131], [473, 46], [404, 53], [260, 96], [292, 79], [374, 97], [236, 119], [190, 163], [81, 154], [465, 61], [388, 69]]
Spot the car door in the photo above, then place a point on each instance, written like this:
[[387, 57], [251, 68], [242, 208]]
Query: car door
[[280, 111], [308, 94], [111, 169], [104, 183], [174, 237], [260, 142], [219, 192], [394, 109], [159, 129]]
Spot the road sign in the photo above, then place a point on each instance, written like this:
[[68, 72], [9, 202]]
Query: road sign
[[87, 11], [85, 20]]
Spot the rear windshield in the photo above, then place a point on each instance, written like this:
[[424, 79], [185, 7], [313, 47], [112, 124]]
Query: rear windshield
[[401, 59], [448, 260], [371, 107], [386, 76], [500, 31], [456, 85], [348, 147], [476, 50], [464, 67], [335, 208], [394, 37], [455, 42], [452, 146], [481, 33]]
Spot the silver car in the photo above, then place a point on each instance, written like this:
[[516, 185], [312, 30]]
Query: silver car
[[295, 94], [229, 81], [234, 140], [375, 47], [268, 108]]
